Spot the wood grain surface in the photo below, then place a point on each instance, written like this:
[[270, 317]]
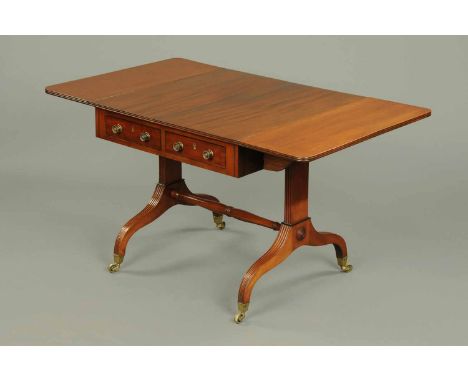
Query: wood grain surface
[[284, 119]]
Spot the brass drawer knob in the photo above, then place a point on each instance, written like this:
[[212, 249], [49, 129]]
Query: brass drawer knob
[[178, 146], [145, 137], [117, 129], [208, 154]]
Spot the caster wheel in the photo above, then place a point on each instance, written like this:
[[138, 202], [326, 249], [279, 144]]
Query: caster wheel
[[218, 220], [241, 309], [347, 268], [343, 264], [239, 317], [113, 268]]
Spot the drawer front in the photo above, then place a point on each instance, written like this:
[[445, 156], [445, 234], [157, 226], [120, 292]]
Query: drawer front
[[198, 150], [132, 133], [210, 154]]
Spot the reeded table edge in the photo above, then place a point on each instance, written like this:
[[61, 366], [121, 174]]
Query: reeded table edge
[[227, 140]]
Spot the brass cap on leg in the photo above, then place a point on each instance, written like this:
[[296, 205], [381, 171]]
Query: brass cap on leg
[[115, 266], [241, 310], [343, 264], [218, 220]]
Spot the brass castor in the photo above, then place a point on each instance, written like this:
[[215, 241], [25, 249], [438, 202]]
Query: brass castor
[[239, 317], [343, 264], [218, 220], [115, 266], [241, 310], [112, 268]]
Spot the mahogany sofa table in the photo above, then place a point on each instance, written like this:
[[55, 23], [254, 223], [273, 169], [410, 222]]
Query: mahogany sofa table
[[236, 124]]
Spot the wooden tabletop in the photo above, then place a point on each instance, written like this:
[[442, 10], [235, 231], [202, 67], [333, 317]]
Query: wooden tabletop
[[288, 120]]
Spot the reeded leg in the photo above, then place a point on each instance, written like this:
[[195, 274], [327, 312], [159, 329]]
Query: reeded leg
[[282, 247], [290, 237], [160, 202], [170, 178], [296, 230]]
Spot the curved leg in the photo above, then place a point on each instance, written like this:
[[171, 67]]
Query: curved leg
[[289, 238], [324, 238], [170, 178], [217, 218], [160, 202], [295, 231], [282, 247]]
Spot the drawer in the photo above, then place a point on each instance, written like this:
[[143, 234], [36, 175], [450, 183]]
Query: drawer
[[193, 149], [131, 133], [210, 154]]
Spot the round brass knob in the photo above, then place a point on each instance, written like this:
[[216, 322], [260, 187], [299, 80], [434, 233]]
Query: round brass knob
[[117, 129], [208, 154], [178, 146], [145, 137]]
